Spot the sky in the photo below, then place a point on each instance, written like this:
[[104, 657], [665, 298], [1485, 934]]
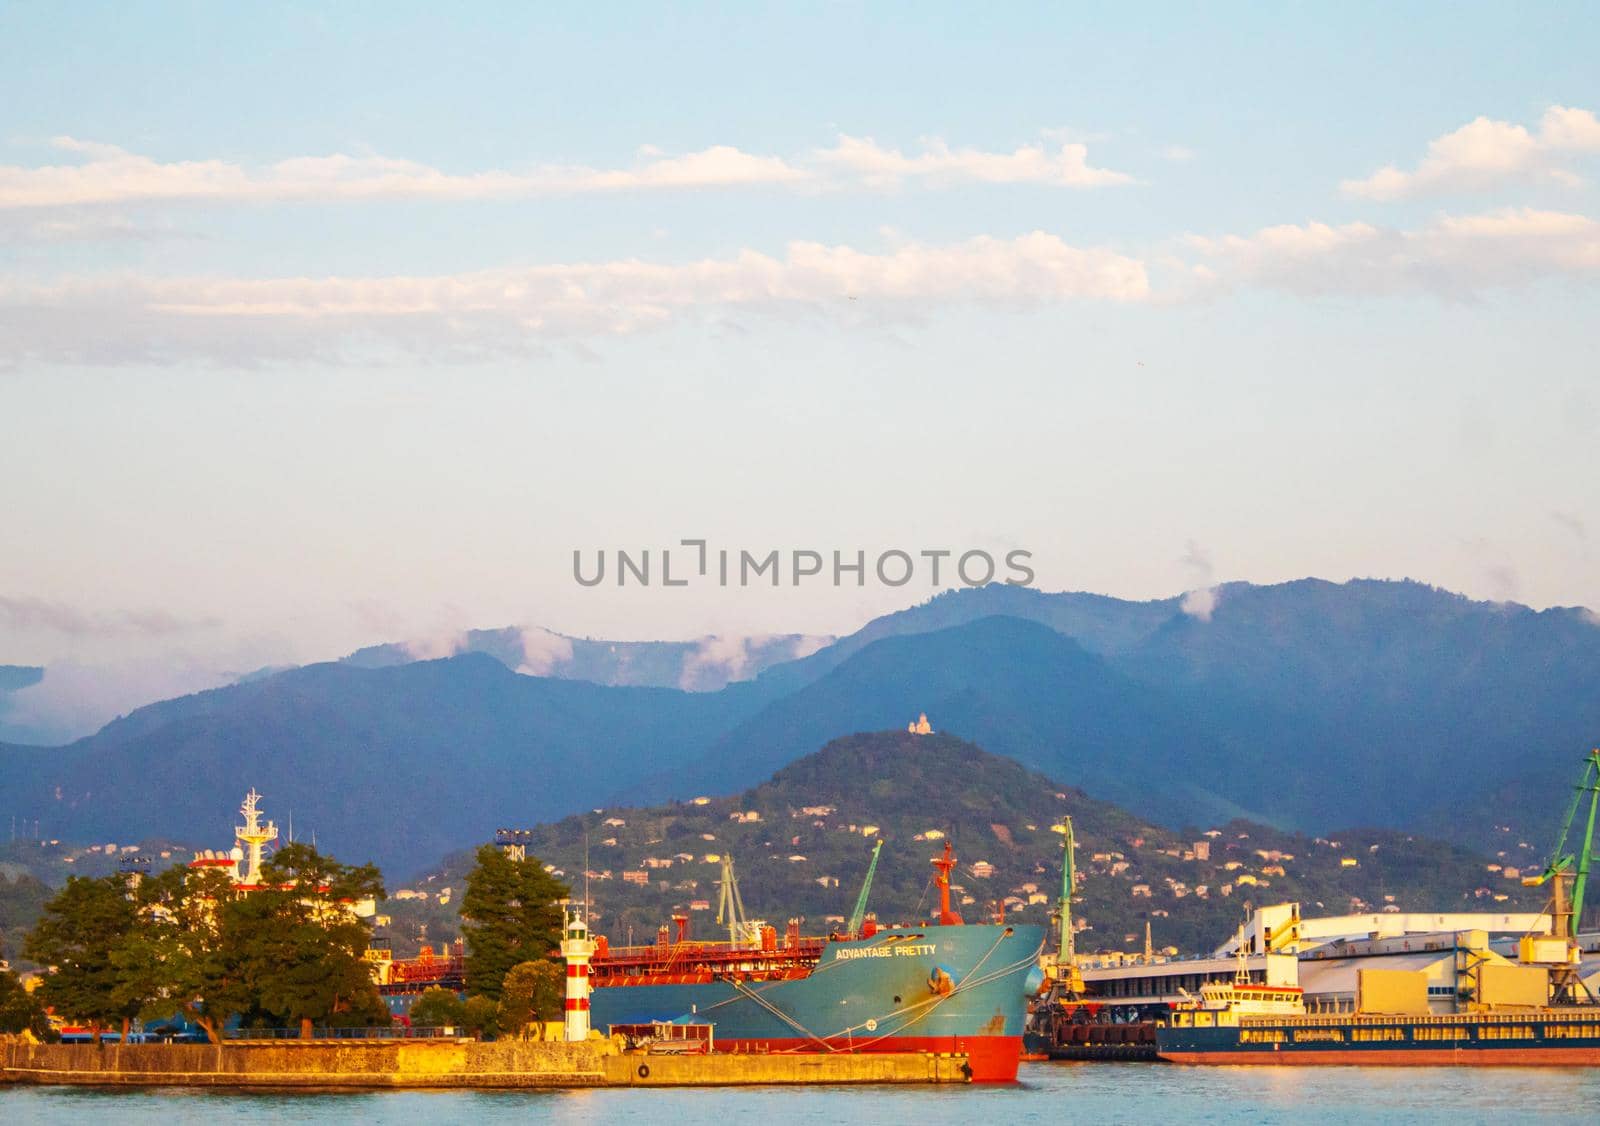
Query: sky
[[329, 325]]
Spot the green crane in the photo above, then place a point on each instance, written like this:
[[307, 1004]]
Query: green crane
[[1568, 875], [859, 915], [1068, 980], [1069, 848]]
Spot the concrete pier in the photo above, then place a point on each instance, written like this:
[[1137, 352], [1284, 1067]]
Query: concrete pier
[[323, 1064]]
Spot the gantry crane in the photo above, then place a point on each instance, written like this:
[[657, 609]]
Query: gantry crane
[[1567, 873]]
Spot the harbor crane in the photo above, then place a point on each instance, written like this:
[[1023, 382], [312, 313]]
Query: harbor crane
[[859, 915], [1067, 973], [1567, 873], [730, 909]]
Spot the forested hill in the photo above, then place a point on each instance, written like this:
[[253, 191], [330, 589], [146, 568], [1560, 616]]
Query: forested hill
[[801, 843], [1307, 705]]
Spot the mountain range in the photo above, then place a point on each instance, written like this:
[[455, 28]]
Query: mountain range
[[1302, 705]]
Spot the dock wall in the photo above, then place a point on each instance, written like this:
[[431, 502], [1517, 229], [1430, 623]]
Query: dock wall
[[312, 1064], [322, 1065]]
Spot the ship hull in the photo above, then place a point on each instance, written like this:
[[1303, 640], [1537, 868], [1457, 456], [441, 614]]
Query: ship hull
[[1554, 1039], [881, 994]]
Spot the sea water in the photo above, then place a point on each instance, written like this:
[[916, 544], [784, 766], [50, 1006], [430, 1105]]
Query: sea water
[[1144, 1094]]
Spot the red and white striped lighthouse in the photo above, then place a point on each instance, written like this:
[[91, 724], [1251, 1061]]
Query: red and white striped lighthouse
[[577, 949]]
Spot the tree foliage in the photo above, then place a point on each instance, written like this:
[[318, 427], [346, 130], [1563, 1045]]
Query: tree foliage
[[21, 1011], [481, 1017], [509, 915], [303, 948], [438, 1008], [82, 925], [287, 953], [532, 992]]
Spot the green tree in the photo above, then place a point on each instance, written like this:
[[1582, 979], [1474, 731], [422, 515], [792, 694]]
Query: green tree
[[288, 952], [21, 1011], [532, 991], [509, 915], [438, 1008], [305, 948], [82, 924], [178, 960], [480, 1017]]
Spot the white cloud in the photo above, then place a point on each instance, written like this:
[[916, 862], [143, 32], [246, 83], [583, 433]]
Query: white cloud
[[1453, 256], [107, 174], [543, 651], [499, 312], [112, 175], [876, 166], [716, 660], [1485, 152], [1200, 603], [436, 646], [1201, 600]]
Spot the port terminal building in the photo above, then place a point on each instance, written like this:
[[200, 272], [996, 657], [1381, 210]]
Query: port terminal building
[[1325, 957]]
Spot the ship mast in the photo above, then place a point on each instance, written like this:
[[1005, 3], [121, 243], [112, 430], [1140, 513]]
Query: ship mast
[[254, 836], [944, 863]]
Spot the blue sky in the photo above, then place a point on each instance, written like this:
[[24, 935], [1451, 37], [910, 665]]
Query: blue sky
[[324, 325]]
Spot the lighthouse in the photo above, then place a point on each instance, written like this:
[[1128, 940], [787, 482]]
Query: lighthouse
[[577, 949]]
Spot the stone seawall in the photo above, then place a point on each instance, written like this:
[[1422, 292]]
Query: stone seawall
[[324, 1064], [315, 1063]]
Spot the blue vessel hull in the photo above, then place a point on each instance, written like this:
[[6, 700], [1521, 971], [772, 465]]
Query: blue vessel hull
[[950, 989]]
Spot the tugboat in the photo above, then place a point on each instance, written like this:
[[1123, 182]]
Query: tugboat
[[932, 986]]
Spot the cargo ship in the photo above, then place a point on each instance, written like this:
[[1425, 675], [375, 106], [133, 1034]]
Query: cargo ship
[[1258, 1024], [1539, 1009], [936, 986]]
